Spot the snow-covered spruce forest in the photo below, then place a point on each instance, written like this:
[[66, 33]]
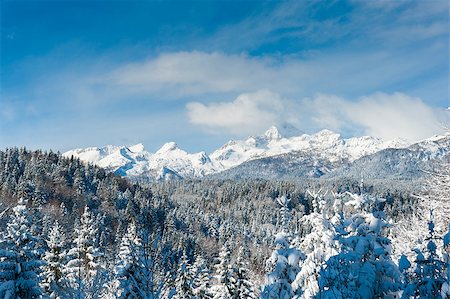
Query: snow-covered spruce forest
[[71, 230]]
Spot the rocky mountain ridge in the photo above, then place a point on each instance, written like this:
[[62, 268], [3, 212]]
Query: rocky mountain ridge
[[306, 155]]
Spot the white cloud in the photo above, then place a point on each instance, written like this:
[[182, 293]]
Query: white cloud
[[247, 114], [382, 115], [395, 115]]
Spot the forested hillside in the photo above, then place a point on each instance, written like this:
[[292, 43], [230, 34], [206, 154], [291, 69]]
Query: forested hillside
[[71, 230]]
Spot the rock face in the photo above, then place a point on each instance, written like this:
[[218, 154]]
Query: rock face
[[278, 153]]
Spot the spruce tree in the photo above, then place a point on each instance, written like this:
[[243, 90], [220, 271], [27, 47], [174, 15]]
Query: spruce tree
[[224, 274], [146, 252], [126, 265], [202, 278], [242, 286], [317, 246], [429, 276], [283, 265], [435, 195], [82, 267], [184, 280], [54, 282], [19, 259]]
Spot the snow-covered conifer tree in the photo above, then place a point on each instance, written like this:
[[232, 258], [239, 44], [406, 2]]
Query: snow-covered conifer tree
[[429, 277], [445, 291], [242, 286], [126, 264], [148, 259], [184, 280], [285, 214], [19, 260], [135, 268], [82, 266], [283, 265], [146, 255], [54, 282], [317, 246], [202, 278], [224, 274], [363, 268]]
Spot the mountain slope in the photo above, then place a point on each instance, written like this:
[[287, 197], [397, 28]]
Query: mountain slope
[[406, 163], [284, 166], [389, 163]]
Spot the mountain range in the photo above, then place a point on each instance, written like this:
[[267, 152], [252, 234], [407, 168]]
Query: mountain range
[[280, 153]]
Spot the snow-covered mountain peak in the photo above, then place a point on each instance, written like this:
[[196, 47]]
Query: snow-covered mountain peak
[[167, 147], [92, 154], [273, 133], [327, 135], [284, 130], [397, 143], [137, 148]]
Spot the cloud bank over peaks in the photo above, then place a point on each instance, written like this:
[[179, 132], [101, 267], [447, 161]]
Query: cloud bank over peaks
[[387, 116], [395, 115], [247, 114]]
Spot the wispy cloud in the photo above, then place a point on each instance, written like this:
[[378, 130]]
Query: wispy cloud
[[314, 25], [185, 74], [192, 73]]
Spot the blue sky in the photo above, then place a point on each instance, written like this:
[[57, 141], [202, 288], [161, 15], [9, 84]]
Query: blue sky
[[91, 73]]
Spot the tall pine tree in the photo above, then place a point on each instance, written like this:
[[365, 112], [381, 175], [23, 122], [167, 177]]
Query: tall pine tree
[[184, 280], [202, 278], [19, 259], [54, 282], [242, 286], [283, 265], [81, 270]]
